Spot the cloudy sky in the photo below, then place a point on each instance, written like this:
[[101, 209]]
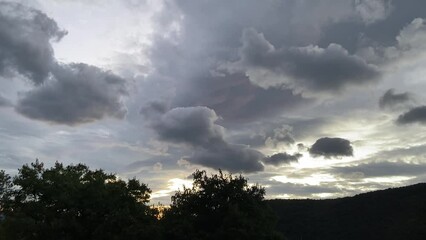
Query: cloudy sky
[[311, 99]]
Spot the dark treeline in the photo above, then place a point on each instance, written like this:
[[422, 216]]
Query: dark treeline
[[74, 202], [392, 214]]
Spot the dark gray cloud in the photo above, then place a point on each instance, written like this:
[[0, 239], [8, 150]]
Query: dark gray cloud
[[249, 139], [235, 98], [209, 39], [263, 133], [196, 128], [408, 45], [331, 147], [282, 158], [25, 36], [308, 69], [287, 21], [4, 102], [153, 109], [301, 146], [64, 93], [394, 100], [372, 11], [282, 135], [78, 93], [191, 125], [231, 157], [414, 115], [314, 51], [196, 82], [355, 34]]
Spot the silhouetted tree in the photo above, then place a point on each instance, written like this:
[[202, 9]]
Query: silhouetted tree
[[219, 207], [74, 202]]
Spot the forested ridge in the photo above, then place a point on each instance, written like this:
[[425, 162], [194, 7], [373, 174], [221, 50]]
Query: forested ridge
[[396, 213]]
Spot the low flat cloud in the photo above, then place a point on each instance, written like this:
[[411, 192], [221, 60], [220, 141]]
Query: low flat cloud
[[382, 169], [25, 35], [309, 69], [195, 127], [78, 93], [414, 115], [392, 100], [300, 190], [281, 158], [331, 147]]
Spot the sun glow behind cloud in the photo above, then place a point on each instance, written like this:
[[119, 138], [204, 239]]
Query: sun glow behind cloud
[[173, 185], [314, 179]]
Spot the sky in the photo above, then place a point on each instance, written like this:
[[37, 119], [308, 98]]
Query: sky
[[310, 99]]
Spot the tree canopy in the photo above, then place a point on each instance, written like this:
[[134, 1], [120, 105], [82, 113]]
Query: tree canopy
[[74, 202], [219, 207]]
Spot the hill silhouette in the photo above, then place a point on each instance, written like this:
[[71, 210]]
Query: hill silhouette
[[397, 213]]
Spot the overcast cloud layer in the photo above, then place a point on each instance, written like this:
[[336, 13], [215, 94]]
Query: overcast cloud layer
[[308, 98]]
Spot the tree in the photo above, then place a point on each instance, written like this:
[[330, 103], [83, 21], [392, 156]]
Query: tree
[[219, 207], [5, 189], [74, 202]]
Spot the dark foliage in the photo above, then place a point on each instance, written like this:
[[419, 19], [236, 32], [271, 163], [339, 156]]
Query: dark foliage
[[74, 202], [393, 214], [219, 207]]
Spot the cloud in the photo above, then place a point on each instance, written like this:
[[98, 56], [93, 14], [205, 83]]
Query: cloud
[[63, 93], [231, 157], [77, 93], [249, 139], [282, 135], [396, 37], [282, 158], [382, 169], [194, 48], [4, 102], [295, 190], [191, 125], [308, 70], [264, 133], [25, 36], [195, 127], [153, 109], [393, 100], [414, 115], [407, 46], [371, 11], [413, 36], [236, 99], [331, 147]]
